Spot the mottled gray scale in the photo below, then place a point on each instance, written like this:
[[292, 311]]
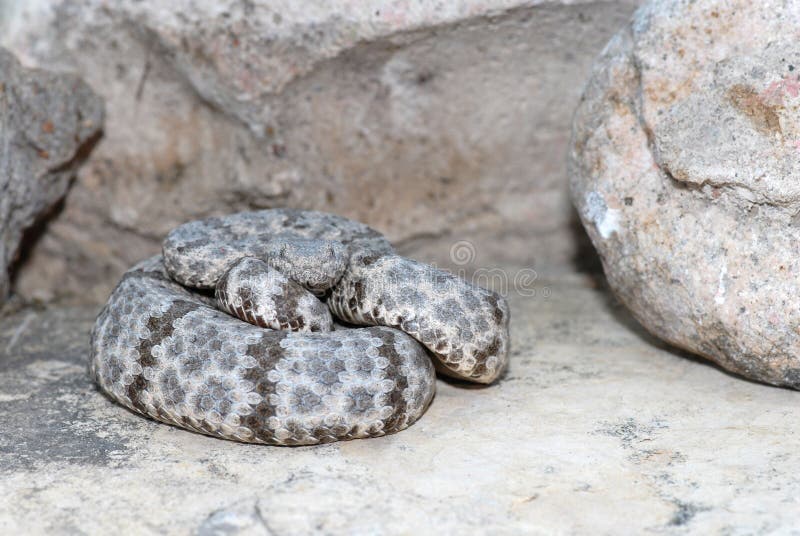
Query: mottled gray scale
[[267, 352], [197, 253], [396, 398], [166, 351], [158, 331], [254, 385], [463, 325], [316, 264], [256, 293]]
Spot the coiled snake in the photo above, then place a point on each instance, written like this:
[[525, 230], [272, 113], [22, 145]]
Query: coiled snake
[[228, 333]]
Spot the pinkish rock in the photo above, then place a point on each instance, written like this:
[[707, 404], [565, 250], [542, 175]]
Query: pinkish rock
[[685, 169]]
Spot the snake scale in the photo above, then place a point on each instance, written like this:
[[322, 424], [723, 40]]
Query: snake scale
[[290, 327]]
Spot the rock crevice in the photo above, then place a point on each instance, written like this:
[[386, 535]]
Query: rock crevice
[[48, 124]]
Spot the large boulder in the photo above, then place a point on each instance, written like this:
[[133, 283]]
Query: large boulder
[[429, 121], [685, 169], [46, 123]]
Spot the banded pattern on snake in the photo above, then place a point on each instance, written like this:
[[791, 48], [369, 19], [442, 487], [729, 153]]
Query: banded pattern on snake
[[263, 361]]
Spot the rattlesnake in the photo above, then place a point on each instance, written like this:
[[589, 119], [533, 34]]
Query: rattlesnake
[[263, 360]]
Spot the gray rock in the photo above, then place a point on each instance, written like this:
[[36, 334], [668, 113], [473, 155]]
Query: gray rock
[[422, 119], [684, 170], [46, 123], [243, 518]]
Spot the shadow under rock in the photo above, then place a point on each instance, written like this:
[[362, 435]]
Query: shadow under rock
[[33, 234], [585, 260], [30, 237]]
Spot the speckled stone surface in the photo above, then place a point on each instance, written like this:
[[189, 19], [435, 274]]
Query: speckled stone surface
[[594, 429], [684, 171]]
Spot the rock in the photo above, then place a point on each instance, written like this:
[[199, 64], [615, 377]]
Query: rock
[[592, 419], [240, 519], [423, 119], [47, 121], [684, 169]]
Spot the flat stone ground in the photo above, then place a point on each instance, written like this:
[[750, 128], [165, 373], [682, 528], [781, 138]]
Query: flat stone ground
[[596, 429]]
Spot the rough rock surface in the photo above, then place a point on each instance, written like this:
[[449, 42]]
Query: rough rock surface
[[422, 119], [595, 430], [46, 121], [685, 173]]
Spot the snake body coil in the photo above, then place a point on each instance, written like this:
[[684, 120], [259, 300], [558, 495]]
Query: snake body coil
[[263, 362]]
